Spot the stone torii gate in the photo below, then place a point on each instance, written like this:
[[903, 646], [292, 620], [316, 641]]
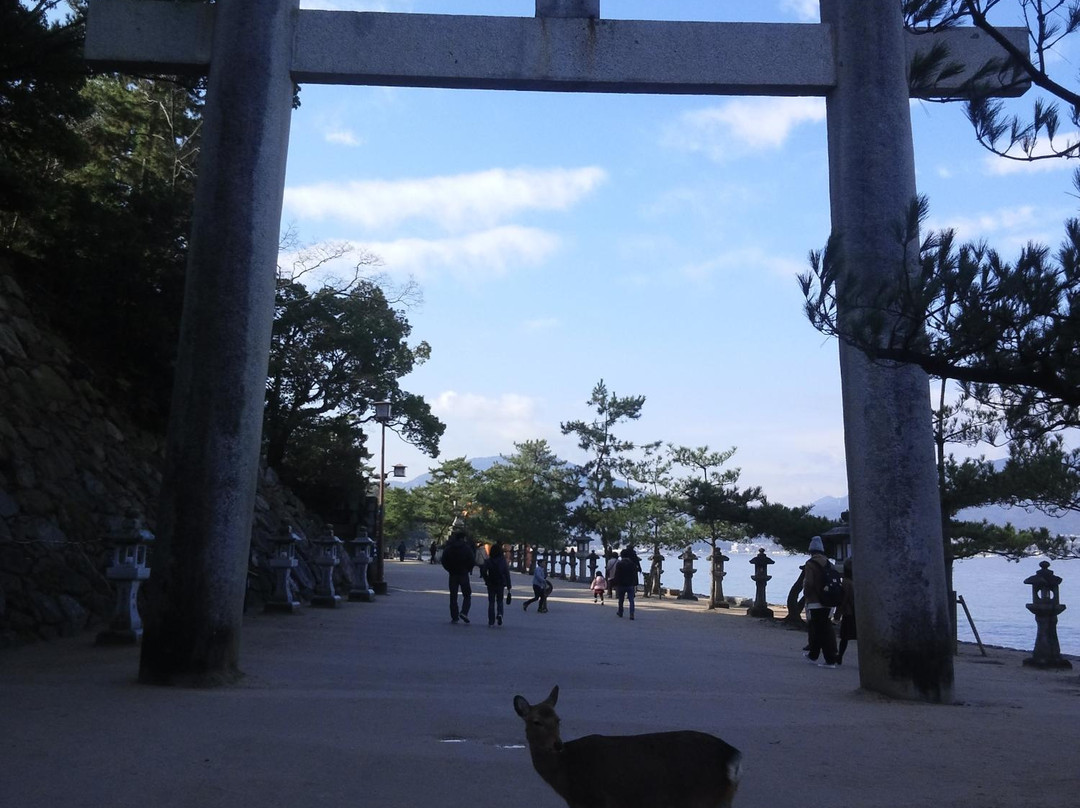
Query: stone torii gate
[[254, 50]]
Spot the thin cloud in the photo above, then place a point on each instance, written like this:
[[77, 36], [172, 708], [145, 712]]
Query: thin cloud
[[542, 324], [743, 260], [997, 166], [343, 137], [497, 422], [1006, 229], [478, 256], [455, 203], [804, 10], [742, 126]]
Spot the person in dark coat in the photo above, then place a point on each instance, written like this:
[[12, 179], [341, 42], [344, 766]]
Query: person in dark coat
[[846, 612], [458, 559], [496, 575], [822, 637], [626, 579]]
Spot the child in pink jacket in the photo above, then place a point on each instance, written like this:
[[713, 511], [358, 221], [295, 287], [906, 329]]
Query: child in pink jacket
[[599, 587]]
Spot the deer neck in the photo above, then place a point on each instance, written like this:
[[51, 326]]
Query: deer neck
[[548, 760]]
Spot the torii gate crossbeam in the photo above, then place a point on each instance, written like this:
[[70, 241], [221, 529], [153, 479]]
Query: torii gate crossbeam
[[521, 53], [253, 51]]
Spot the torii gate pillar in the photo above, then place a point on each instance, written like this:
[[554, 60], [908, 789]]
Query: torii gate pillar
[[895, 504], [196, 599]]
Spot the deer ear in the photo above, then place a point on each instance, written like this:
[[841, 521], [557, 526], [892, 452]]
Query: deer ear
[[554, 697], [521, 707]]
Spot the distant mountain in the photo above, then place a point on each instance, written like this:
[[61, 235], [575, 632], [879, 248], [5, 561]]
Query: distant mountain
[[1069, 524], [478, 463]]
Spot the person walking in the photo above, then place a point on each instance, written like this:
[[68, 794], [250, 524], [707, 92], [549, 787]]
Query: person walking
[[496, 575], [458, 559], [846, 613], [599, 587], [820, 631], [609, 572], [626, 579], [540, 588]]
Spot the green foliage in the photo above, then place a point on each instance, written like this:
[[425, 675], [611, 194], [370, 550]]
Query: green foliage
[[1027, 136], [41, 75], [597, 516], [526, 498], [450, 494], [97, 184], [403, 519], [789, 527], [651, 515], [333, 354], [1006, 332]]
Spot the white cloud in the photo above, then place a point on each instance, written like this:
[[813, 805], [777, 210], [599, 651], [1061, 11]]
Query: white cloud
[[996, 223], [1004, 166], [749, 259], [542, 324], [342, 137], [476, 256], [456, 203], [804, 10], [498, 422], [744, 125]]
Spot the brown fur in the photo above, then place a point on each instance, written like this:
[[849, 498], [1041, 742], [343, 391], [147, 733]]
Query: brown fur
[[683, 769]]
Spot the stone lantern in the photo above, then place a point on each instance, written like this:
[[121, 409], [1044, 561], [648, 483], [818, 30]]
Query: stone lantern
[[716, 598], [562, 563], [360, 551], [657, 572], [582, 557], [327, 556], [688, 571], [128, 567], [1046, 608], [594, 558], [760, 577], [282, 563]]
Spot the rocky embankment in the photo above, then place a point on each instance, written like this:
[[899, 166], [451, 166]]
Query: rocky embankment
[[71, 467]]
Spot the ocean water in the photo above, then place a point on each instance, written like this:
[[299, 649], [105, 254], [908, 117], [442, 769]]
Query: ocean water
[[992, 587]]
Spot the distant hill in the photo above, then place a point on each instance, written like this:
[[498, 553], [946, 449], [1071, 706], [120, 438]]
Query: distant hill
[[478, 463], [1069, 524]]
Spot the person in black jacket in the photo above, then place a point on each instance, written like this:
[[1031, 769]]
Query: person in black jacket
[[496, 575], [626, 579], [458, 559]]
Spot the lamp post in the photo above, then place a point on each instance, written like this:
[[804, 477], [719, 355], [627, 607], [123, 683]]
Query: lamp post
[[382, 415]]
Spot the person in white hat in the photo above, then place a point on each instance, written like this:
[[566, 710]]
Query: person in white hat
[[820, 631]]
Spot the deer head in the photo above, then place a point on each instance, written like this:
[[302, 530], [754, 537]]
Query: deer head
[[541, 722]]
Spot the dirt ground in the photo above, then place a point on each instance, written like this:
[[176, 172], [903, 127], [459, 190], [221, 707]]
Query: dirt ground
[[388, 703]]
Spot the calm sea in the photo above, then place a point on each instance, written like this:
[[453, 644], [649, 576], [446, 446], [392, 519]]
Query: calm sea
[[992, 587]]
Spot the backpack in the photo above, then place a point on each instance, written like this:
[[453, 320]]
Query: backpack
[[832, 587]]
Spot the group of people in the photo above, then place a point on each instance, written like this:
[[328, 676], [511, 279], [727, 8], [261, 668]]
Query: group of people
[[458, 559], [819, 609], [460, 556]]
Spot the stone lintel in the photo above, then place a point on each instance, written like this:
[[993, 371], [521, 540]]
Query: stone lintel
[[155, 37], [516, 53], [973, 49], [556, 54]]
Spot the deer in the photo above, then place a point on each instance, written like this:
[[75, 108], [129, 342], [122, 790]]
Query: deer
[[683, 769]]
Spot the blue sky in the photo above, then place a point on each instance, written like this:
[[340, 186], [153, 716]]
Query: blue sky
[[649, 241]]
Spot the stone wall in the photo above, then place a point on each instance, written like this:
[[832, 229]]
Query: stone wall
[[71, 466]]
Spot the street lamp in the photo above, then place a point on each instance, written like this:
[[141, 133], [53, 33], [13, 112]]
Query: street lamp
[[382, 415]]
